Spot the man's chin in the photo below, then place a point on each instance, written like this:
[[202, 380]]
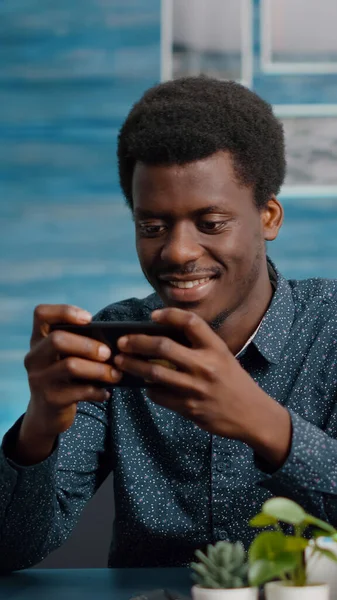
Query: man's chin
[[170, 303], [214, 320]]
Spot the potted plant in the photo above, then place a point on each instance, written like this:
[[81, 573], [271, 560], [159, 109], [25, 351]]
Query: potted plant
[[222, 573], [276, 555]]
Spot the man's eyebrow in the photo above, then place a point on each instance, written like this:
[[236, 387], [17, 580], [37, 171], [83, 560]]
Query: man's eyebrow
[[209, 209], [140, 213], [152, 214]]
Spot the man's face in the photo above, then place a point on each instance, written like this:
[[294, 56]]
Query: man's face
[[199, 236]]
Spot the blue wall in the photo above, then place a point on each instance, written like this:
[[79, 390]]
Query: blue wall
[[69, 72]]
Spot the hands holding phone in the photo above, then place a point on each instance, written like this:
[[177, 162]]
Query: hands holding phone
[[203, 381]]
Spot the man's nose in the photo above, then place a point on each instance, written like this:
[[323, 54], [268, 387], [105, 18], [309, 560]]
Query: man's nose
[[181, 246]]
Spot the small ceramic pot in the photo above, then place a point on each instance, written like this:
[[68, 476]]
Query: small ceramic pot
[[278, 590], [321, 568], [199, 593]]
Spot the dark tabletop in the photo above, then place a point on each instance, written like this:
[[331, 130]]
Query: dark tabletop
[[90, 584]]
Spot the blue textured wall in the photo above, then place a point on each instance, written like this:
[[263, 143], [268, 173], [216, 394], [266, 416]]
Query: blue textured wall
[[69, 72]]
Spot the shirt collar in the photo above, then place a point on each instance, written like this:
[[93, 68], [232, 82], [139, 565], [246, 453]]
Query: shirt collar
[[277, 321], [244, 348]]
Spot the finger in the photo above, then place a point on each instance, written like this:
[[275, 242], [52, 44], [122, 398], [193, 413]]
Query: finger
[[156, 373], [82, 393], [63, 343], [51, 314], [195, 328], [159, 347], [74, 368], [60, 397], [189, 407]]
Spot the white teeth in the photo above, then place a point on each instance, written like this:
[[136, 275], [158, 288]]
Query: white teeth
[[188, 284]]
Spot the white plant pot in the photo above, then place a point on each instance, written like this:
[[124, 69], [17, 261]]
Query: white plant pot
[[278, 590], [322, 569], [199, 593]]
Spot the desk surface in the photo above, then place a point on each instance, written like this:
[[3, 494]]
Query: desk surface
[[90, 584]]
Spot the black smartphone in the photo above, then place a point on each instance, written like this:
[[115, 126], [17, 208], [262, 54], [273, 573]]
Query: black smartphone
[[108, 332]]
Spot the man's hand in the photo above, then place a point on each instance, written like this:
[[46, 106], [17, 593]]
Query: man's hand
[[209, 386], [62, 371]]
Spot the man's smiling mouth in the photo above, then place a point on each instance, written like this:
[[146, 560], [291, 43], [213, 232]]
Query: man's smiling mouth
[[187, 289], [188, 284]]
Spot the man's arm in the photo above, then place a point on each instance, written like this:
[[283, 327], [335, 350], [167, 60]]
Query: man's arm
[[41, 504], [309, 474]]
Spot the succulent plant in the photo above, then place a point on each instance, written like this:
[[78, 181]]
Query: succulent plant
[[223, 566]]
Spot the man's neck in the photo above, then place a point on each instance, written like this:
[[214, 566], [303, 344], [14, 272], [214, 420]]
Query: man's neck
[[243, 322]]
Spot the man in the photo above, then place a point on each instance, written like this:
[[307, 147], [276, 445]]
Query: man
[[250, 410]]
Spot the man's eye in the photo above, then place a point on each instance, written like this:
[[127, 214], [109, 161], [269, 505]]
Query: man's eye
[[150, 230], [212, 225]]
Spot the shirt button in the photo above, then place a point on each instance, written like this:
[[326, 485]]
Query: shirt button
[[224, 466], [223, 534]]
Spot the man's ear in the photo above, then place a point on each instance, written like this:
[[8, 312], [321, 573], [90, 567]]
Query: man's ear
[[271, 218]]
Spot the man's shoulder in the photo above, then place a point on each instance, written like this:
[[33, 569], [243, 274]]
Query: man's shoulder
[[315, 294], [314, 287], [131, 309]]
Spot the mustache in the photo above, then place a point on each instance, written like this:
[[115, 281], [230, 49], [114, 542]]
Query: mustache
[[213, 272]]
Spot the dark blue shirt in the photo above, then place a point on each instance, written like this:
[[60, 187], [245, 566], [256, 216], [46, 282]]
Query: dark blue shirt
[[178, 487]]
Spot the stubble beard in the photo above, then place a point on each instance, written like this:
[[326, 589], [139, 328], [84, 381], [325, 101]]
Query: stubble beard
[[247, 284]]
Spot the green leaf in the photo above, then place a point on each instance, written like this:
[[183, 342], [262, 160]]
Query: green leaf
[[236, 582], [211, 551], [205, 560], [284, 510], [203, 577], [294, 544], [262, 520], [263, 570], [209, 582], [267, 545], [286, 563], [238, 554], [326, 528], [316, 533], [200, 569], [225, 580], [260, 572], [224, 551]]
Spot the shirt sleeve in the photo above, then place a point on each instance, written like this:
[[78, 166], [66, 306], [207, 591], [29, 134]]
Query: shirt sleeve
[[309, 475], [41, 504]]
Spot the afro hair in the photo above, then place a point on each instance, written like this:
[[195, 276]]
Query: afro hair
[[188, 119]]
